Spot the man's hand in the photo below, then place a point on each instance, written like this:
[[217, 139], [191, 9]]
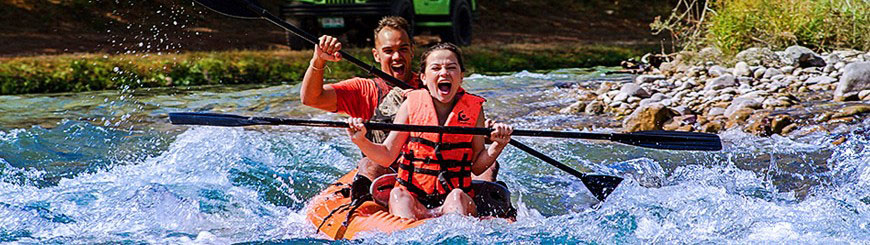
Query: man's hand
[[326, 50]]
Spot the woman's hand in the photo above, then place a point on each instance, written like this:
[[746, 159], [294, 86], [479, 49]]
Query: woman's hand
[[356, 129], [501, 133]]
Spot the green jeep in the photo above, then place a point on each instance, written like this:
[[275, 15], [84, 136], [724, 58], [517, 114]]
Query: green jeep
[[353, 20]]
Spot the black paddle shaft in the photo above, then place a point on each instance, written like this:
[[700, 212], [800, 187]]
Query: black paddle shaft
[[651, 139], [236, 8]]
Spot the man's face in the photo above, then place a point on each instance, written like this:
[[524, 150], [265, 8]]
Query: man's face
[[394, 52]]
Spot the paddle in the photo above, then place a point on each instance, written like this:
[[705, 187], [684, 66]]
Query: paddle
[[600, 185], [670, 140], [250, 9]]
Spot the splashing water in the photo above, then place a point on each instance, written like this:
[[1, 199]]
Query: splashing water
[[107, 167]]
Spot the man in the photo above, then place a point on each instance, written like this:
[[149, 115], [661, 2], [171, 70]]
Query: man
[[369, 99]]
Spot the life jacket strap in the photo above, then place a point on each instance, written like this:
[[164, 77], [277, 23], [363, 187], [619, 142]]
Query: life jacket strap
[[441, 146], [443, 163]]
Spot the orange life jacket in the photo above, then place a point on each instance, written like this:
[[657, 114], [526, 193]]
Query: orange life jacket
[[433, 164]]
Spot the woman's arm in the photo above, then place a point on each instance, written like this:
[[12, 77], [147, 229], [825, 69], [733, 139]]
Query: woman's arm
[[383, 154], [485, 157]]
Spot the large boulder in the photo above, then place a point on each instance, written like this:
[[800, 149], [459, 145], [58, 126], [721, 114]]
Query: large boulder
[[856, 77], [766, 124], [648, 117], [780, 122], [724, 81], [739, 117], [852, 111], [716, 71], [740, 103], [648, 78], [710, 54], [771, 72], [575, 108], [680, 123], [595, 107], [605, 87], [741, 69], [800, 56], [680, 64], [711, 127], [833, 58], [759, 56], [759, 124], [629, 90], [820, 80], [757, 95]]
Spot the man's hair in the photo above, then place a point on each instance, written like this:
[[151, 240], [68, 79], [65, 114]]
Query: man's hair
[[394, 22], [443, 46]]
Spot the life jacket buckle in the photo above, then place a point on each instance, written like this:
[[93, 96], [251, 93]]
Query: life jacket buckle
[[445, 184]]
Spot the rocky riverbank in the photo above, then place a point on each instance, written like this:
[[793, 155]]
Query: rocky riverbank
[[764, 92]]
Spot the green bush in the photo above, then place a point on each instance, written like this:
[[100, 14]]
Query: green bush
[[734, 25], [820, 24]]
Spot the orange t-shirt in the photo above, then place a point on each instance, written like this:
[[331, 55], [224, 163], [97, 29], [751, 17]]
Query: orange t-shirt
[[358, 97]]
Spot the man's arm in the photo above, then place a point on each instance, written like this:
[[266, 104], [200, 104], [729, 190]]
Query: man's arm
[[313, 93]]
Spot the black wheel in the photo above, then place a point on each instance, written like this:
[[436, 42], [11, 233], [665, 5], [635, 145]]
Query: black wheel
[[404, 9], [459, 32]]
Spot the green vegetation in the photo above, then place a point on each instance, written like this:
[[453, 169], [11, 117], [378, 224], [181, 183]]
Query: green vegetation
[[734, 25], [75, 73]]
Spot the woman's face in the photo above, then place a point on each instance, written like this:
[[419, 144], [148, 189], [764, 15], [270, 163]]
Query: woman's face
[[442, 75]]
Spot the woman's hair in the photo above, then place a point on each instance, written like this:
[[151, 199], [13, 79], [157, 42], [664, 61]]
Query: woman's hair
[[443, 46]]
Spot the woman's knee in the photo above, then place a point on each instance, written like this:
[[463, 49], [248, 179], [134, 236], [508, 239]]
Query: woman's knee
[[458, 196], [400, 194], [458, 201]]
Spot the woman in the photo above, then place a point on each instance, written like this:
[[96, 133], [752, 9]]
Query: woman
[[434, 176]]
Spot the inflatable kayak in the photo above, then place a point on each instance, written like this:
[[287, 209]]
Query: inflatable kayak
[[332, 214]]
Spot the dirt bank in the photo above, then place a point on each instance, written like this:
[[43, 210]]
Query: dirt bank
[[38, 27]]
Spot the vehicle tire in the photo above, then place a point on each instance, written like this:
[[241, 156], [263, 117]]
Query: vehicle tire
[[404, 9], [459, 32]]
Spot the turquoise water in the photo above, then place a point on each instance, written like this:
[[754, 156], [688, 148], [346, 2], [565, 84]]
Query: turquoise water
[[108, 167]]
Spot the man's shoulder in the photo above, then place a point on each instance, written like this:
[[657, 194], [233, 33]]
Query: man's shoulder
[[354, 83], [358, 80]]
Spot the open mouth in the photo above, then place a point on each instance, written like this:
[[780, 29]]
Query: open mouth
[[398, 70], [444, 88]]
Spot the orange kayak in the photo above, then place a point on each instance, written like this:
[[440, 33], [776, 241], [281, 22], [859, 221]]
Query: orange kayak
[[329, 210]]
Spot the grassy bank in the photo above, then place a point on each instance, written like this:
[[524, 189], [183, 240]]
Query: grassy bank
[[735, 25], [821, 24], [76, 73]]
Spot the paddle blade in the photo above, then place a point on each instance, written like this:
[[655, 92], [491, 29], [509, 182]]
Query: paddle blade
[[231, 8], [601, 185], [212, 119], [671, 140]]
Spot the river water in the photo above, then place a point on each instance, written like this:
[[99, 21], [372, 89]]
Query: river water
[[108, 167]]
